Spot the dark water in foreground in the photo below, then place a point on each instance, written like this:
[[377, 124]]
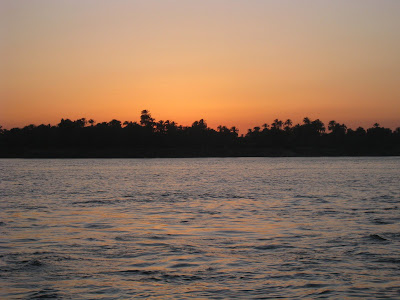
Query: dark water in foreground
[[200, 228]]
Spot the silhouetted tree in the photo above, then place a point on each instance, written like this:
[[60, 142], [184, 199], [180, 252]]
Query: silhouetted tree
[[150, 136], [114, 124], [360, 131], [234, 130], [200, 125], [306, 121], [331, 125], [66, 124], [318, 126], [277, 124], [81, 122], [146, 119], [288, 125]]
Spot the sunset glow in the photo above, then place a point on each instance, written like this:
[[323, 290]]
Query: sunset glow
[[241, 63]]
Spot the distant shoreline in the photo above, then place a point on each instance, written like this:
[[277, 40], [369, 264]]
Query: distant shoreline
[[192, 153], [151, 139]]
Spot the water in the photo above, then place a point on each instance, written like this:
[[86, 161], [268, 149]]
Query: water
[[210, 228]]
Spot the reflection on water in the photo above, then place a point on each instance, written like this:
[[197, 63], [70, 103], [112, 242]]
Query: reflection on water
[[200, 228]]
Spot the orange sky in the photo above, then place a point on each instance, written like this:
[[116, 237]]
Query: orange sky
[[231, 62]]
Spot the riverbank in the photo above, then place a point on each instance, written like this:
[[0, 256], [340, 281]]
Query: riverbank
[[184, 152]]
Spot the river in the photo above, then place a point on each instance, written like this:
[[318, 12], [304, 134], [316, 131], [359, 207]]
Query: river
[[200, 228]]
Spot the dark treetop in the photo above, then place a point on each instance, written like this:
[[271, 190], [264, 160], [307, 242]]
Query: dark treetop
[[151, 138]]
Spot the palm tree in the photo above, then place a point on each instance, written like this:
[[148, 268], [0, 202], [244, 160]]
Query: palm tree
[[160, 125], [288, 125], [318, 126], [146, 119], [170, 126], [277, 124], [337, 128], [234, 130], [80, 122]]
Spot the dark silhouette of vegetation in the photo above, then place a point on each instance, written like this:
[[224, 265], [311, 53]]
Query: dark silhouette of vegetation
[[151, 138]]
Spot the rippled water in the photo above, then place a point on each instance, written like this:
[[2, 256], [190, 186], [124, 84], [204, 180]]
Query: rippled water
[[200, 228]]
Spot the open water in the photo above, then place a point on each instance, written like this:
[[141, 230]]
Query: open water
[[207, 228]]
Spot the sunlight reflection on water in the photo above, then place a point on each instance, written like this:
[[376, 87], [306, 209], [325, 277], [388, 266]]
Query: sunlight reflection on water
[[200, 228]]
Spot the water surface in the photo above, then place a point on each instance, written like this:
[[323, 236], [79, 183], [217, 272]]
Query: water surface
[[209, 228]]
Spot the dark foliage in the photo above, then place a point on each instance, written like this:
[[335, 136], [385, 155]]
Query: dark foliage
[[151, 138]]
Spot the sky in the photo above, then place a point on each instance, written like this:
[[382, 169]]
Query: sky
[[231, 62]]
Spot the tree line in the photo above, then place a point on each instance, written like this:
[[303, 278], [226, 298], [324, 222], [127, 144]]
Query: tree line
[[149, 137]]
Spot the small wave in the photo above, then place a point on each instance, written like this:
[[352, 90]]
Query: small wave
[[158, 237], [33, 263], [156, 275], [28, 207], [325, 212], [321, 201], [94, 202], [126, 238], [45, 294], [142, 265], [305, 196], [229, 232], [314, 285], [325, 292], [130, 237], [390, 260], [98, 226], [391, 208], [27, 240], [393, 235], [140, 272], [383, 197], [154, 244], [376, 237], [187, 249], [380, 222], [183, 265], [183, 277], [332, 196], [209, 212], [271, 247], [128, 196]]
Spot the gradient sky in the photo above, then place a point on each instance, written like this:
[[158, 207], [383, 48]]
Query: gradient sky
[[231, 62]]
